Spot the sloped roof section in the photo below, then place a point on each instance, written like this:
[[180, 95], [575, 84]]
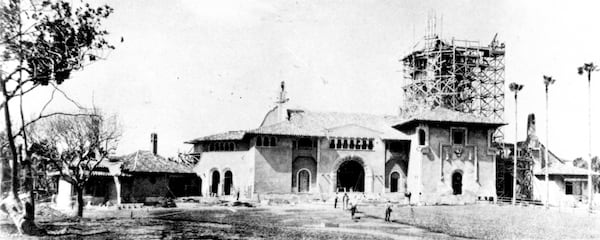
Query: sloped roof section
[[441, 114], [289, 129], [309, 123], [146, 162], [230, 135], [565, 170]]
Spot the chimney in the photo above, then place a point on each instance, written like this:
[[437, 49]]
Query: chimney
[[154, 142]]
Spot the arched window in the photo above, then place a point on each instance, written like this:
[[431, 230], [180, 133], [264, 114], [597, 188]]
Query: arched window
[[232, 146], [273, 141], [421, 137], [259, 141], [358, 143], [332, 143], [339, 143], [210, 147], [370, 144], [345, 144], [365, 144], [266, 141], [351, 144]]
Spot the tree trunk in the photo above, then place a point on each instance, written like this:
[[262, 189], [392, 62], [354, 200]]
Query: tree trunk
[[28, 187], [79, 200]]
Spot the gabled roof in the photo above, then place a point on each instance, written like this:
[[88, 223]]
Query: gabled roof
[[441, 114], [146, 162], [230, 135]]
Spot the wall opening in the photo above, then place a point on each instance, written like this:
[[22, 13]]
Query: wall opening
[[394, 182], [216, 179], [421, 137], [457, 183], [305, 143], [351, 177], [303, 174], [304, 180], [228, 183]]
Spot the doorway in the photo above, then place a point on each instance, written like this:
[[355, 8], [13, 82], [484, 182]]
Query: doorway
[[303, 180], [216, 179], [227, 183], [394, 179], [457, 183], [351, 177]]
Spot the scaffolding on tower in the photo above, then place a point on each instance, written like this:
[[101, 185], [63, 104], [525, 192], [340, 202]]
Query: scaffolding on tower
[[460, 75]]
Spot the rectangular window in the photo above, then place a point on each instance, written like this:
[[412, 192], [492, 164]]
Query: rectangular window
[[458, 136], [569, 188]]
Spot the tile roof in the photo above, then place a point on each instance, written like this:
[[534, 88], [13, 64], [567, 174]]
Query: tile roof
[[313, 123], [310, 123], [230, 135], [565, 169], [146, 162], [288, 128], [441, 114]]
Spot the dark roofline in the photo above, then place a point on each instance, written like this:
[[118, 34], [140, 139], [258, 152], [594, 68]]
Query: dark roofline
[[204, 139], [414, 121]]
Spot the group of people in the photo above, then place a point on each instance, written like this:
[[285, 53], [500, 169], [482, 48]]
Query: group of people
[[351, 204]]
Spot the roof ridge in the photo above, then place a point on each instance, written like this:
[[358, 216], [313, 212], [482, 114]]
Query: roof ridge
[[349, 113]]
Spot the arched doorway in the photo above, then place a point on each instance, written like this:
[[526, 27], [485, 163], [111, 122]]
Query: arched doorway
[[351, 177], [227, 183], [216, 179], [457, 183], [394, 181], [304, 180], [304, 176]]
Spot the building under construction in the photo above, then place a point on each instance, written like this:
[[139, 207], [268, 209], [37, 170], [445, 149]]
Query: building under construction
[[464, 76]]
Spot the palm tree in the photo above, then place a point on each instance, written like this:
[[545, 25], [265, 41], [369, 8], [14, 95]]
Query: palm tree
[[514, 87], [589, 68], [547, 81]]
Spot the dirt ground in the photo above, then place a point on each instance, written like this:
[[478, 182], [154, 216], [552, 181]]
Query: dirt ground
[[317, 221], [219, 222]]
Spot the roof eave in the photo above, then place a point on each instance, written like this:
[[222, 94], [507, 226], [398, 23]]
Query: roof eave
[[413, 121]]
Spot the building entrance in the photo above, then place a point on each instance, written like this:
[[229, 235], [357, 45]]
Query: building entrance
[[351, 177]]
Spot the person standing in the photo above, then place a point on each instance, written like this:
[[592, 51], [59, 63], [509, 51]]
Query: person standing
[[388, 211], [335, 201], [345, 200], [353, 208]]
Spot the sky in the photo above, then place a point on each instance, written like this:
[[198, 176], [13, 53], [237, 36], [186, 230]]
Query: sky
[[192, 68]]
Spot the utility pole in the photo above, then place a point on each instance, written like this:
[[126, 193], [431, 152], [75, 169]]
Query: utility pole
[[514, 87], [589, 68], [547, 81]]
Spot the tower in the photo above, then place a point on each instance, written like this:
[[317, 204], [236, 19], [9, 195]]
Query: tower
[[460, 75]]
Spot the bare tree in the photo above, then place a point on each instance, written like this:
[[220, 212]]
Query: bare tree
[[41, 43], [76, 145]]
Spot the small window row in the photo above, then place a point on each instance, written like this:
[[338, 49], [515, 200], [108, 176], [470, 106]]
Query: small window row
[[266, 141], [220, 146], [351, 143]]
